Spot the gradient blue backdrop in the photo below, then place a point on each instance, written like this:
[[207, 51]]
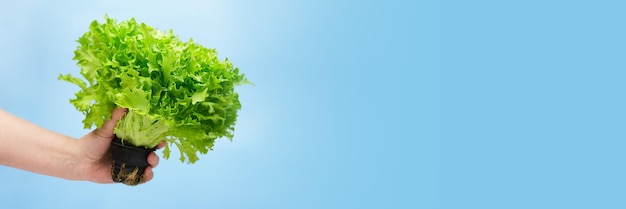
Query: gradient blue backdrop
[[342, 114], [359, 104]]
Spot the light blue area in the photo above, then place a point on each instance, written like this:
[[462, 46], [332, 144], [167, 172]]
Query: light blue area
[[532, 104], [343, 113]]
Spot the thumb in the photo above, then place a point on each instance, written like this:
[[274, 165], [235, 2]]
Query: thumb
[[106, 131]]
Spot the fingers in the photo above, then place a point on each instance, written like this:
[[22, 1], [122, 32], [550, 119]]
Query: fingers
[[148, 174], [153, 160], [106, 131], [161, 145]]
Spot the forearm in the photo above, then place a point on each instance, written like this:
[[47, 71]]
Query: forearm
[[26, 146]]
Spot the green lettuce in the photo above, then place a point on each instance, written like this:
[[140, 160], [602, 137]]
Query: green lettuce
[[175, 91]]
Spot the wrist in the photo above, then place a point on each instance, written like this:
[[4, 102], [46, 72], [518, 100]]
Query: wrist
[[76, 164]]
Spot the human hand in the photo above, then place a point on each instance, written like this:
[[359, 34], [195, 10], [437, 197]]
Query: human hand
[[96, 166]]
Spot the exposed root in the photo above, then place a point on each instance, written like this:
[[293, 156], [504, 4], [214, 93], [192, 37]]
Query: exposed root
[[126, 176]]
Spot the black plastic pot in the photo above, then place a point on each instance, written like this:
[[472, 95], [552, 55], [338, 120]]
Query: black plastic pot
[[129, 162]]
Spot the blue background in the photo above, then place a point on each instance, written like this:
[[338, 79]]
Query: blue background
[[359, 104], [531, 96]]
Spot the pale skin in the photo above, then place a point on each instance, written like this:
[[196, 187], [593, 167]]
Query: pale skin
[[26, 146]]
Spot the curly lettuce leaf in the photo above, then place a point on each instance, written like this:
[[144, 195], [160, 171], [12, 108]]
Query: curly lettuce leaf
[[175, 91]]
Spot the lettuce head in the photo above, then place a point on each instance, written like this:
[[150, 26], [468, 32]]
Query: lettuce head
[[176, 91]]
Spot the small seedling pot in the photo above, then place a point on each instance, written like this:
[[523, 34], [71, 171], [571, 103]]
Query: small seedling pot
[[129, 162]]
